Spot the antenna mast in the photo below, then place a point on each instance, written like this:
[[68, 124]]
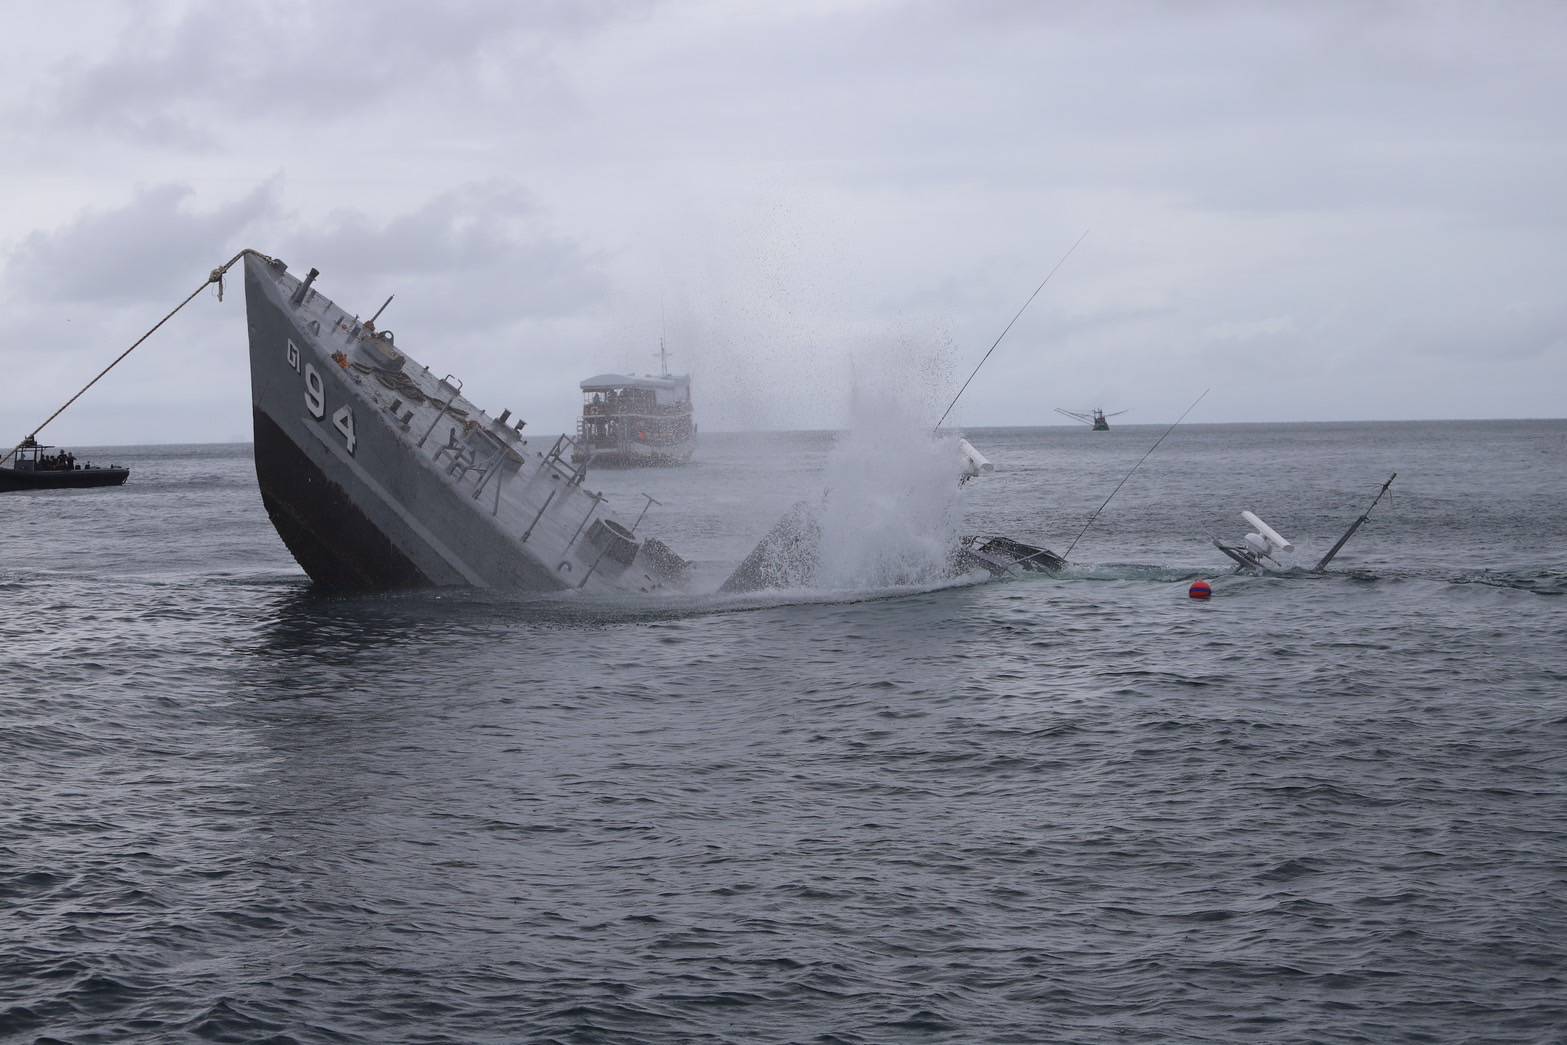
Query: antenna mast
[[1128, 475], [1323, 564], [663, 353], [1015, 318]]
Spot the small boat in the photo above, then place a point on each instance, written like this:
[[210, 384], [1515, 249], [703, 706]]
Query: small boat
[[1096, 418], [630, 420], [33, 467]]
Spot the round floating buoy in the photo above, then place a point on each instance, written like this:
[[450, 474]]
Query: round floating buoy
[[1200, 590]]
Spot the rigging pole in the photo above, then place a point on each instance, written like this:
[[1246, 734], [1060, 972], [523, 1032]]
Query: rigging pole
[[1015, 318], [1128, 475], [1323, 563]]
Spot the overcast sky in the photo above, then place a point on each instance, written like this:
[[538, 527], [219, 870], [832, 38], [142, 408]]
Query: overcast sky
[[1322, 211]]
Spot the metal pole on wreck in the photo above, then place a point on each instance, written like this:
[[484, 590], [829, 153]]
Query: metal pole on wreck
[[1015, 318]]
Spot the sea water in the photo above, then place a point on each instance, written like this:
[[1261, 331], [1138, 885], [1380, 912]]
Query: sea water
[[897, 808]]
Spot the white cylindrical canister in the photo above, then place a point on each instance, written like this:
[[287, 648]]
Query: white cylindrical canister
[[1268, 533], [975, 462]]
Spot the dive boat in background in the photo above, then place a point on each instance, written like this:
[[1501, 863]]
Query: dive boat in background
[[630, 420]]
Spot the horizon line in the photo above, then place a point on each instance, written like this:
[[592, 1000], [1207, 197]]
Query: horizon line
[[954, 428]]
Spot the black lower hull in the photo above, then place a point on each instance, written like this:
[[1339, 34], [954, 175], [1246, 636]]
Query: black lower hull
[[85, 478], [331, 539]]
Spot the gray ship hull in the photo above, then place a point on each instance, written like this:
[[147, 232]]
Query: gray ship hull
[[377, 475]]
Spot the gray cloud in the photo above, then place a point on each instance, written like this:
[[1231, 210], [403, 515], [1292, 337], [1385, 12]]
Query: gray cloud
[[182, 76], [476, 271], [143, 249]]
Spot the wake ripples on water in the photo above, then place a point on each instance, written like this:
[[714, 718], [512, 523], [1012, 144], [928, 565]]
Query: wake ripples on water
[[417, 812]]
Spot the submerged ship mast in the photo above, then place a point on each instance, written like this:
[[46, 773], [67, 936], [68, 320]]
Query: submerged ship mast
[[663, 353], [1323, 563], [1008, 327]]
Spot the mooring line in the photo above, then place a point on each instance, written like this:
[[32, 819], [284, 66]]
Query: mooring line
[[216, 276]]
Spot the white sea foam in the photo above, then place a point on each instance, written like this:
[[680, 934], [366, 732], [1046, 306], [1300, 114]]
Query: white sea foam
[[892, 510]]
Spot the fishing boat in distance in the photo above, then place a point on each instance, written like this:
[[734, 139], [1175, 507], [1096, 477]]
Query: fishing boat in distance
[[630, 420], [1096, 418], [32, 467], [377, 474]]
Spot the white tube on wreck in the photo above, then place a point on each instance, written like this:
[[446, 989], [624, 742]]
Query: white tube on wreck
[[1268, 533], [974, 462]]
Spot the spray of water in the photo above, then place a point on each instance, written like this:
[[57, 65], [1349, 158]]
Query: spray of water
[[893, 509]]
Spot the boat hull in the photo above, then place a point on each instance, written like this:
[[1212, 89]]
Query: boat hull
[[336, 543], [12, 479], [636, 456]]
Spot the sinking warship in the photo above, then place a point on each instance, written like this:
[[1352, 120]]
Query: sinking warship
[[1261, 550], [378, 474]]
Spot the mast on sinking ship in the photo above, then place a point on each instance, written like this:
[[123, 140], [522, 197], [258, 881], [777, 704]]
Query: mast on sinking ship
[[1322, 564]]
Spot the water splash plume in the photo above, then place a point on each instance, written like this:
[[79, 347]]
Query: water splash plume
[[893, 509]]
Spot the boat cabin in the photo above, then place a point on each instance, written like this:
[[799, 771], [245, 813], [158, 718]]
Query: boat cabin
[[626, 394], [33, 456]]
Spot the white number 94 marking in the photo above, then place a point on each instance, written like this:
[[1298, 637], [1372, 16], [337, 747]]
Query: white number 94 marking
[[315, 394], [343, 421], [315, 402]]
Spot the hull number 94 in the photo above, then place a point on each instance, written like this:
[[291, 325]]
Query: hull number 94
[[315, 399]]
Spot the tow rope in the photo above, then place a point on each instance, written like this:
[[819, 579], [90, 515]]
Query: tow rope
[[215, 276]]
